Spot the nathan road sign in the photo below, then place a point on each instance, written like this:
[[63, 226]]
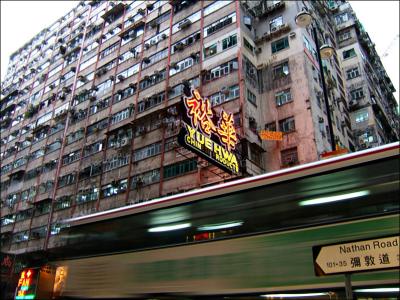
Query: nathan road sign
[[357, 256]]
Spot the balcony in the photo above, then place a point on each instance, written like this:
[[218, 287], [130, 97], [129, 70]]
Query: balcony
[[115, 10], [262, 10], [275, 32]]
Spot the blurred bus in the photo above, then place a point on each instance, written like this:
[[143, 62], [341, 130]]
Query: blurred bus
[[247, 238]]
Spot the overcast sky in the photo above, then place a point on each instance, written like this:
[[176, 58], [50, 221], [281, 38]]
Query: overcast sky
[[21, 20]]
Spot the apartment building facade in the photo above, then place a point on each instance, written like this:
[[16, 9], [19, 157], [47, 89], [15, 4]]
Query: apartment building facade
[[90, 107], [373, 108]]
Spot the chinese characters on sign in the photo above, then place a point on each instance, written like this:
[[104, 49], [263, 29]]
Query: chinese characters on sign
[[376, 254], [214, 141]]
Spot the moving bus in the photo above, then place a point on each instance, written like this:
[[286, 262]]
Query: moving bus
[[247, 238]]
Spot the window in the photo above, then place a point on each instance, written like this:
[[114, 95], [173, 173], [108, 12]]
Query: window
[[87, 195], [97, 127], [357, 94], [124, 135], [280, 45], [222, 70], [345, 35], [55, 70], [104, 68], [145, 179], [221, 23], [251, 97], [289, 157], [275, 23], [115, 188], [53, 146], [155, 58], [192, 19], [310, 48], [43, 119], [179, 168], [184, 64], [115, 162], [19, 162], [71, 157], [152, 80], [87, 62], [353, 73], [123, 94], [215, 6], [8, 219], [121, 115], [147, 151], [36, 154], [127, 73], [75, 136], [248, 45], [349, 53], [210, 50], [367, 137], [361, 116], [103, 87], [287, 125], [63, 202], [108, 50], [66, 179], [281, 70], [270, 126], [92, 148], [151, 102], [339, 19], [38, 233], [83, 79], [187, 41], [22, 236], [229, 94], [132, 34], [229, 42], [283, 97]]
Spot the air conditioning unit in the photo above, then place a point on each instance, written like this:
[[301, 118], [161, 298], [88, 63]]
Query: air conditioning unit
[[273, 29], [184, 24], [292, 35]]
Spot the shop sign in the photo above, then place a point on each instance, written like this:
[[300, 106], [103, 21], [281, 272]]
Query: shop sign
[[271, 135], [26, 288], [211, 139]]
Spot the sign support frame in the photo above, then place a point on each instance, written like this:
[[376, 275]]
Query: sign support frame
[[348, 287]]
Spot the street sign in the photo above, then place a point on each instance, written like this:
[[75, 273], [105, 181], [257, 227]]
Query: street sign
[[357, 256]]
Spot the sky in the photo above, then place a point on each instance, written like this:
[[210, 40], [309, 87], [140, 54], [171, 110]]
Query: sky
[[21, 20]]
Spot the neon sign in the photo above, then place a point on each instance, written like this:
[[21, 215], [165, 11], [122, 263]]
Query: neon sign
[[213, 140], [26, 288]]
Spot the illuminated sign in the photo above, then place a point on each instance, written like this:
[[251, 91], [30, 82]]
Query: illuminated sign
[[26, 288], [201, 133], [271, 135]]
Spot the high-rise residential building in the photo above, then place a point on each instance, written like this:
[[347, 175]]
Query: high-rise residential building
[[90, 107], [373, 108]]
